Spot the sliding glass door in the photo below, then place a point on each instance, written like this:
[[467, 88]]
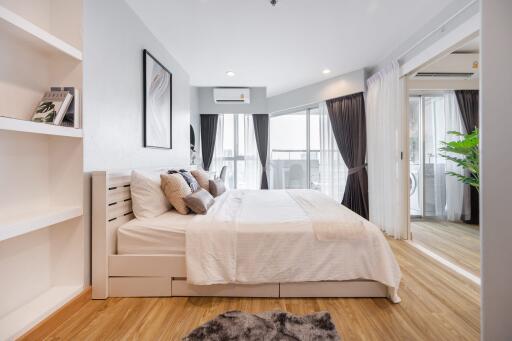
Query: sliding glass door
[[431, 116], [416, 156], [304, 153], [289, 150]]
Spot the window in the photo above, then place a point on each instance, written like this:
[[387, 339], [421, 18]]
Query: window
[[235, 147], [289, 150], [304, 153]]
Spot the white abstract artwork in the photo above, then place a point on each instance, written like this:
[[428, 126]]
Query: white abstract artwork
[[157, 104]]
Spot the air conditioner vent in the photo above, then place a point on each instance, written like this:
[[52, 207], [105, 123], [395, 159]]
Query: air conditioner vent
[[458, 75]]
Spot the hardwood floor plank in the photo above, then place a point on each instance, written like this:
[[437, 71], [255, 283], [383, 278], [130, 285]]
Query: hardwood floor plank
[[437, 304], [459, 243]]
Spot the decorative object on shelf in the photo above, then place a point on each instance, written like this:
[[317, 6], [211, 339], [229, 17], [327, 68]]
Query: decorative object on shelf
[[53, 107], [72, 116], [157, 103]]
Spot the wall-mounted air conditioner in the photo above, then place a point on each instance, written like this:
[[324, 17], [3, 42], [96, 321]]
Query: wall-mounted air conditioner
[[231, 95], [452, 66]]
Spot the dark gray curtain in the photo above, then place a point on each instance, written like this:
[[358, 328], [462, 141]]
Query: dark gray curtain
[[468, 105], [208, 135], [348, 121], [261, 132]]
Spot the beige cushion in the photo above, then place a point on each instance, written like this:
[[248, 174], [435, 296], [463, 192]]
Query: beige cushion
[[202, 177], [217, 187], [199, 201], [175, 189], [148, 200]]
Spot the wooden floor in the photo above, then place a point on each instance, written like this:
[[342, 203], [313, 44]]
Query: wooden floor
[[437, 304], [458, 243]]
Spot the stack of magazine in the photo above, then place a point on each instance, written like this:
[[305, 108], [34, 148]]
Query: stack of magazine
[[59, 106]]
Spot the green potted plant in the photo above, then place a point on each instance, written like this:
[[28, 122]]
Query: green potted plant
[[465, 153]]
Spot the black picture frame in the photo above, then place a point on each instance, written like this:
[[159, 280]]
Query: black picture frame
[[147, 112]]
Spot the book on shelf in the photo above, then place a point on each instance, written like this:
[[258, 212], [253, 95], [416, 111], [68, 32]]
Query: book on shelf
[[53, 107], [72, 118]]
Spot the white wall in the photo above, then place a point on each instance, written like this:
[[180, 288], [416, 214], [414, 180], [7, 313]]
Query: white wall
[[207, 105], [496, 167], [114, 38], [343, 85]]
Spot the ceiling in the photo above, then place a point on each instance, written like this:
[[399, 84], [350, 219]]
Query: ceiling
[[282, 47]]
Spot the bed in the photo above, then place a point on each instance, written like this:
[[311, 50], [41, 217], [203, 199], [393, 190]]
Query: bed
[[294, 243]]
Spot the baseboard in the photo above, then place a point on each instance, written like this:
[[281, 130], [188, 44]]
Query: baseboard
[[49, 324]]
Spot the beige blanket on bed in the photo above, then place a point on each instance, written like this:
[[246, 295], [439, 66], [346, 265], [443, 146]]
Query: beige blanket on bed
[[283, 236]]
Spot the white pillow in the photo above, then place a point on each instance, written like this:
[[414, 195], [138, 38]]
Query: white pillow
[[148, 200]]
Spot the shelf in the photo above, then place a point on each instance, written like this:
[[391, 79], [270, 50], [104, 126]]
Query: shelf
[[22, 319], [15, 24], [17, 224], [13, 124]]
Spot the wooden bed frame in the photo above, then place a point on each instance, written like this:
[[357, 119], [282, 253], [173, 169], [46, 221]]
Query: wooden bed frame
[[116, 275]]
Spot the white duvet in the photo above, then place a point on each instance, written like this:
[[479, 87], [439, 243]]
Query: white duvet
[[251, 237]]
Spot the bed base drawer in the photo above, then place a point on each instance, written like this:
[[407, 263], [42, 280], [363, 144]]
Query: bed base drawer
[[168, 286], [180, 287], [358, 288], [140, 286], [147, 265]]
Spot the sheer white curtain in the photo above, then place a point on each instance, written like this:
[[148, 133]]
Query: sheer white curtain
[[252, 165], [246, 162], [454, 188], [385, 131], [443, 193], [218, 152], [333, 171]]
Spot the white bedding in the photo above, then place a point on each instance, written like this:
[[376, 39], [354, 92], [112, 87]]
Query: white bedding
[[286, 236], [164, 234]]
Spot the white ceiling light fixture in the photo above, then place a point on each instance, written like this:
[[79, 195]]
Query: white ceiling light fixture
[[326, 71], [230, 73]]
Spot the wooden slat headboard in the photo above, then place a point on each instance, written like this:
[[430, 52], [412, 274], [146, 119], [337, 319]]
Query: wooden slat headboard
[[111, 208]]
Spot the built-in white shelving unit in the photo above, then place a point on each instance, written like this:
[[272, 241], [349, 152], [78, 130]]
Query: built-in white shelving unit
[[24, 29], [37, 309], [7, 123], [20, 223], [42, 239]]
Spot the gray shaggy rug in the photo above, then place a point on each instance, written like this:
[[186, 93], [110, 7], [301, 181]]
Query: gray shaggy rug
[[268, 326]]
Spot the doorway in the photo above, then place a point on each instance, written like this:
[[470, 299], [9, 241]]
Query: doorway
[[441, 205]]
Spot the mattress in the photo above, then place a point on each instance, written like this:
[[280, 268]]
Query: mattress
[[164, 234]]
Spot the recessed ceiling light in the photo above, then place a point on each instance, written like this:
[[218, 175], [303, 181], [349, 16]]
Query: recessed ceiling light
[[230, 74], [326, 71]]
